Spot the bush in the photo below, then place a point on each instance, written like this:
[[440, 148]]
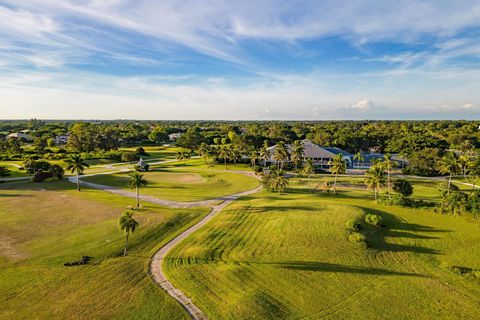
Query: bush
[[129, 157], [403, 187], [352, 224], [374, 220], [356, 237], [141, 152], [474, 202], [443, 186], [454, 203], [41, 176], [258, 169]]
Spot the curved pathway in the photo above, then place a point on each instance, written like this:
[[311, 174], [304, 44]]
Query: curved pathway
[[156, 264]]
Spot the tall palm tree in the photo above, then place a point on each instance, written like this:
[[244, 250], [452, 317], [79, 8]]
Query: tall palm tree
[[127, 224], [264, 153], [474, 171], [464, 162], [359, 157], [235, 153], [281, 154], [297, 153], [76, 164], [136, 181], [224, 153], [204, 151], [450, 165], [374, 178], [308, 170], [337, 166], [254, 156], [389, 165], [183, 155], [277, 181]]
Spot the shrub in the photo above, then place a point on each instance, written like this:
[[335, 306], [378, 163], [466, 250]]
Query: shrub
[[403, 187], [443, 186], [4, 172], [374, 220], [474, 202], [356, 237], [141, 152], [454, 203], [129, 156], [352, 224], [41, 176]]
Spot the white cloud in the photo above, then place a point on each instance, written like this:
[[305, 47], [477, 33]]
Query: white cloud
[[363, 105]]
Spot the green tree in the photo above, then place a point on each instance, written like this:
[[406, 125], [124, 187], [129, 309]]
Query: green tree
[[308, 170], [450, 165], [76, 164], [128, 225], [374, 177], [276, 180], [254, 155], [183, 155], [403, 187], [224, 153], [204, 151], [389, 165], [359, 158], [297, 154], [136, 181], [337, 166], [474, 171], [281, 154], [264, 153]]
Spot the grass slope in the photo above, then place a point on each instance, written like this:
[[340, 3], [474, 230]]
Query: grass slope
[[45, 225], [287, 257], [183, 184]]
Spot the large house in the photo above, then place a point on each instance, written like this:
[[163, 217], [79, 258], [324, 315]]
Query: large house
[[320, 156], [20, 135], [370, 158]]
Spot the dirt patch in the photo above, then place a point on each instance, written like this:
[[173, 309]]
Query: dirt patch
[[8, 250]]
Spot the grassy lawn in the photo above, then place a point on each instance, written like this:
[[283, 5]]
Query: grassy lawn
[[183, 183], [287, 257], [45, 225]]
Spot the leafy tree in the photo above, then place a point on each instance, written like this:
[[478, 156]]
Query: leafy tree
[[56, 171], [204, 151], [254, 155], [308, 170], [337, 166], [403, 187], [128, 225], [183, 155], [158, 135], [297, 154], [374, 177], [136, 181], [129, 156], [76, 164], [474, 171], [424, 162], [224, 153], [450, 165], [264, 153]]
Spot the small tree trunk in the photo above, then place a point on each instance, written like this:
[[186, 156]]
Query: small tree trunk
[[126, 244], [138, 196], [375, 191], [449, 182], [388, 180], [335, 185], [78, 181], [225, 160], [309, 185]]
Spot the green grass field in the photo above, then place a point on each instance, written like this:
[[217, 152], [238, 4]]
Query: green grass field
[[183, 184], [288, 257], [45, 225]]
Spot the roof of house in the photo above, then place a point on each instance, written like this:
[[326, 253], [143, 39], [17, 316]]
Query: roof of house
[[336, 150], [310, 150]]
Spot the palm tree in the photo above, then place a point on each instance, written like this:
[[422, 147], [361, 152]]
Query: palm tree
[[281, 154], [337, 166], [359, 157], [297, 153], [204, 151], [264, 153], [76, 164], [474, 171], [183, 155], [449, 165], [374, 178], [277, 181], [389, 165], [464, 162], [235, 153], [308, 170], [137, 181], [254, 156], [224, 153], [128, 225]]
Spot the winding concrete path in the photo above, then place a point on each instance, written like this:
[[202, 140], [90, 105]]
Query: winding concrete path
[[156, 264]]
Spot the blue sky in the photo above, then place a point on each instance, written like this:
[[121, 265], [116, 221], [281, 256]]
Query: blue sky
[[265, 59]]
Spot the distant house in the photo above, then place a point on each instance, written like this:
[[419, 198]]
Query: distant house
[[174, 136], [20, 135], [61, 139], [370, 158], [320, 156]]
